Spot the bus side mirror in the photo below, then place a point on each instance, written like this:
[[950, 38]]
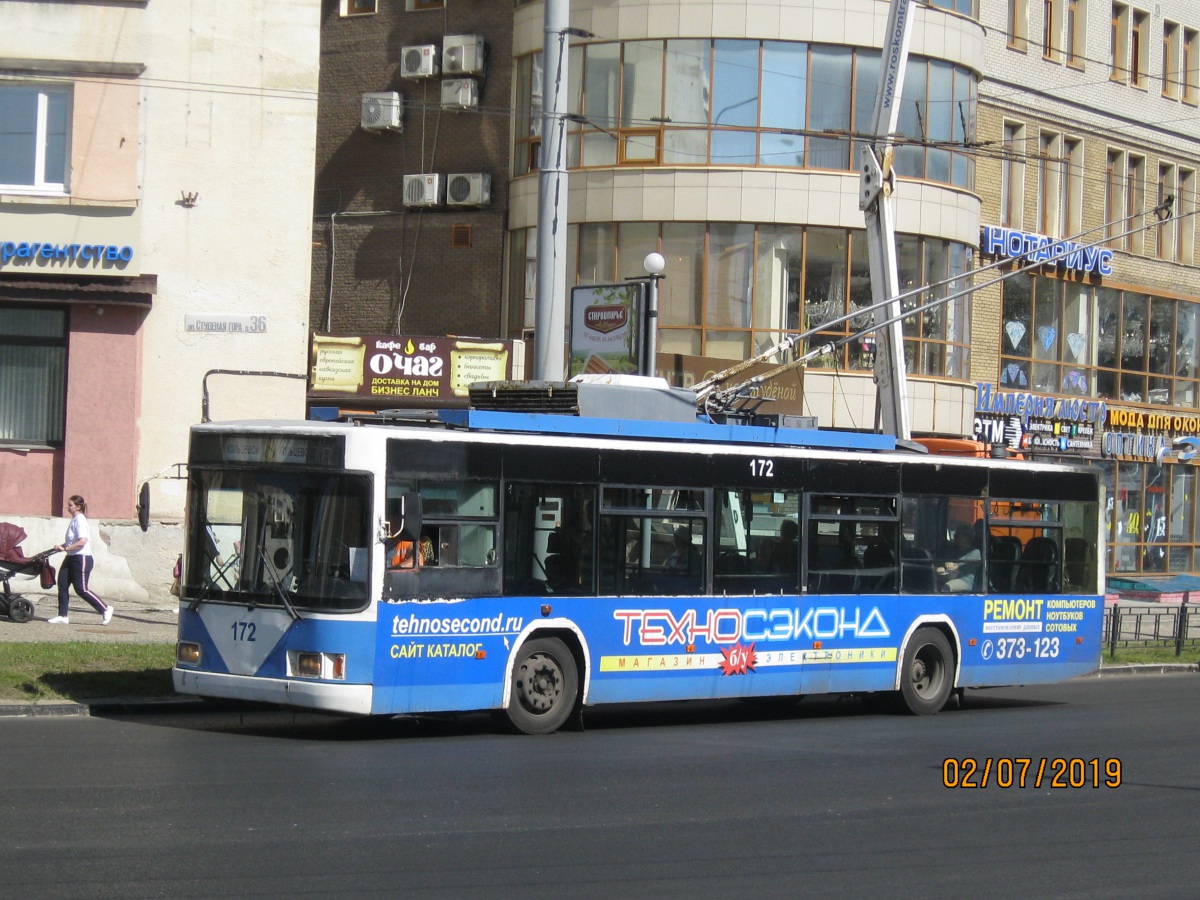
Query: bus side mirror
[[143, 506]]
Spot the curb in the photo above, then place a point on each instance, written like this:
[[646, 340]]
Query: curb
[[45, 709], [167, 705], [1148, 669], [60, 708]]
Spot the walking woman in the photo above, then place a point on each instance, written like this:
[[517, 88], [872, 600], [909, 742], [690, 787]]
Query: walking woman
[[77, 566]]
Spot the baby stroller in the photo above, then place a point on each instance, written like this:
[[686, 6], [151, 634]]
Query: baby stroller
[[12, 563]]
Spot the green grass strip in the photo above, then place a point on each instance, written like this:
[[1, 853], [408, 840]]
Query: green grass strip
[[84, 670]]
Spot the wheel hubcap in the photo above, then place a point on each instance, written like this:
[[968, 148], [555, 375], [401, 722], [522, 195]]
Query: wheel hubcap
[[540, 684], [925, 673]]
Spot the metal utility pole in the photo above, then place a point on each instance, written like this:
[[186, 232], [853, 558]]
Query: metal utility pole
[[550, 299], [875, 194]]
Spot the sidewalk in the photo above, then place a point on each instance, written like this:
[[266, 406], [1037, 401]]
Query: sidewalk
[[141, 623]]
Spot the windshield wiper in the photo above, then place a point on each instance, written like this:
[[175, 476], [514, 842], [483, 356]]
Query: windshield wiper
[[195, 602], [279, 591]]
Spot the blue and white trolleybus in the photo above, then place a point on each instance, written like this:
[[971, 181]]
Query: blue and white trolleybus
[[541, 562]]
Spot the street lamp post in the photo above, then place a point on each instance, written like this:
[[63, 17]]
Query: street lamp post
[[654, 265]]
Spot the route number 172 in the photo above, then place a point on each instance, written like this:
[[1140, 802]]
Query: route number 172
[[762, 468]]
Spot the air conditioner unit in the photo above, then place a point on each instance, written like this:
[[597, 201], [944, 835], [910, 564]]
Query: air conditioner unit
[[469, 189], [422, 190], [460, 93], [382, 111], [462, 54], [419, 62]]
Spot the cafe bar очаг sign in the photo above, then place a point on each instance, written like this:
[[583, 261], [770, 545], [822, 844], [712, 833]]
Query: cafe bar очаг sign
[[407, 371]]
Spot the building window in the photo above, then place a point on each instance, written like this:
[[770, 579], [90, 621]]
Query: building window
[[1018, 24], [1139, 49], [1185, 209], [1172, 83], [1076, 34], [1051, 30], [1012, 176], [1119, 43], [33, 138], [1065, 337], [963, 7], [358, 7], [1190, 66], [1050, 165], [1114, 200], [735, 289], [746, 103], [1167, 242], [1071, 200], [33, 374], [1135, 200]]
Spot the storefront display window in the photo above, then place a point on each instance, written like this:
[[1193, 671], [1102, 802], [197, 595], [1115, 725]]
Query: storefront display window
[[1143, 349]]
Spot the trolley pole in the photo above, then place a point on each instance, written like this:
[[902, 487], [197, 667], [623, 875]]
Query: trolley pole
[[550, 298]]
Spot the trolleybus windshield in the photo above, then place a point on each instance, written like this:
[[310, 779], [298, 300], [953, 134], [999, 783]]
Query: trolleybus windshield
[[268, 537]]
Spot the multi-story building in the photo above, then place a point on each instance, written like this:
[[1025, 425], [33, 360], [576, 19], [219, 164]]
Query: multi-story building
[[411, 197], [725, 137], [155, 163], [721, 135], [1089, 131]]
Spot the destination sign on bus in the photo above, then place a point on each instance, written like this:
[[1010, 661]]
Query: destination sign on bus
[[288, 450]]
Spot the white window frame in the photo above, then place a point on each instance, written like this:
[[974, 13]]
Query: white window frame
[[1135, 199], [1185, 203], [1071, 183], [1172, 82], [1166, 233], [1018, 24], [40, 185], [1050, 183], [1114, 198], [346, 9], [1012, 175]]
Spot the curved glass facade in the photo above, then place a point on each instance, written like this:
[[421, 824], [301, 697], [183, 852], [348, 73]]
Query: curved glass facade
[[746, 103], [733, 289]]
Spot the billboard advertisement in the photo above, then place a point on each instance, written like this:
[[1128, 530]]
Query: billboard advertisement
[[407, 371], [606, 328]]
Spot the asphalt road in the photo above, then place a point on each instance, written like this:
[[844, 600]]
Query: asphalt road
[[827, 798]]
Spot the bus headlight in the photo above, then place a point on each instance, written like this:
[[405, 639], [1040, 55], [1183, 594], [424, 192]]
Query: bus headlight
[[330, 666], [187, 653]]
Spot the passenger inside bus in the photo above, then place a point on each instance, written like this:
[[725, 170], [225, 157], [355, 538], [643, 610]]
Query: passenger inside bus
[[786, 553], [959, 574], [683, 558]]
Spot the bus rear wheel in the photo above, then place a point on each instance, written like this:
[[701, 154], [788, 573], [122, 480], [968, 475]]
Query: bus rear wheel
[[926, 678], [545, 687]]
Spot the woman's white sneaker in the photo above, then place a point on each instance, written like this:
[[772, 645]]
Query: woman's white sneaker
[[58, 620], [107, 615]]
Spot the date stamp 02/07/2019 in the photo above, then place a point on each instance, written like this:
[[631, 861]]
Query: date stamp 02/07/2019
[[1031, 771]]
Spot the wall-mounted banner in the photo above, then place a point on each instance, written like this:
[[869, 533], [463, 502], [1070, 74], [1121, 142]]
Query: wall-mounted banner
[[606, 328], [1031, 422], [997, 241], [70, 257], [1146, 436], [386, 371]]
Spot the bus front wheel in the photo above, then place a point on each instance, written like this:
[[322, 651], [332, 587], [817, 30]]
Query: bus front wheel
[[545, 687], [926, 678]]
